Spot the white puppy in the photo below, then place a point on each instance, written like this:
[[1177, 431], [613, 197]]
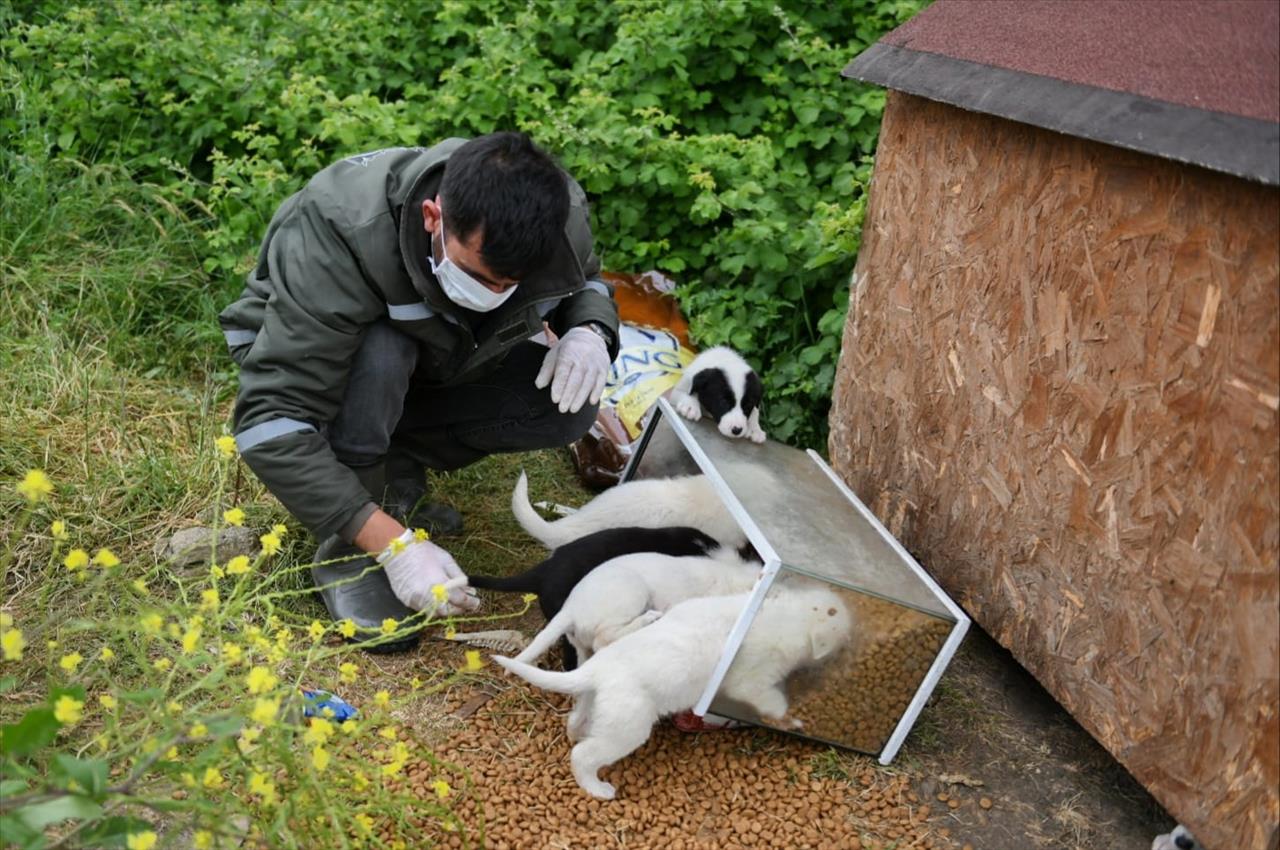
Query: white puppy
[[629, 592], [720, 384], [661, 669], [687, 500]]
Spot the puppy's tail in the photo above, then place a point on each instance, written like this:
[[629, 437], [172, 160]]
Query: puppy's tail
[[545, 639], [573, 682], [545, 531], [525, 582]]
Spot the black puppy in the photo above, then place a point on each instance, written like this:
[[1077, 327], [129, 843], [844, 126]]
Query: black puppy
[[555, 578]]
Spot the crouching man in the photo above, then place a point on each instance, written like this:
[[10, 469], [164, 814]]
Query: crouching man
[[386, 330]]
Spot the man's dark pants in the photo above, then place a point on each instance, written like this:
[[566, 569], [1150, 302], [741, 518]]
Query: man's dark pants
[[385, 417]]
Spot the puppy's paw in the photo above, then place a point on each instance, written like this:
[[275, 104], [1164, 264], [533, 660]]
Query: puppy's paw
[[784, 721], [757, 434], [689, 408]]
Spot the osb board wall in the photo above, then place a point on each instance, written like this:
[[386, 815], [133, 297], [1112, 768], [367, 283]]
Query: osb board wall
[[1059, 387]]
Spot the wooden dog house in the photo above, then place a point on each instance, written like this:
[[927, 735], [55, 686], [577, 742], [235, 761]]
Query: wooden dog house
[[1060, 372]]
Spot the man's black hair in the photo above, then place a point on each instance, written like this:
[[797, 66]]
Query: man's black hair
[[514, 193]]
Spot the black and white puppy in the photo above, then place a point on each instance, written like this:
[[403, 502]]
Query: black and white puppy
[[554, 578], [720, 384]]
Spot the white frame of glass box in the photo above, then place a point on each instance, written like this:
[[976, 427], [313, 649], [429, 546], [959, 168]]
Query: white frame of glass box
[[773, 563]]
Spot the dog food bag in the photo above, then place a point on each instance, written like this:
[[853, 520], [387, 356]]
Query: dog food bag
[[653, 351]]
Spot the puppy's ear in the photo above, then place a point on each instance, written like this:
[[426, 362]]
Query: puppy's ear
[[752, 393], [701, 382]]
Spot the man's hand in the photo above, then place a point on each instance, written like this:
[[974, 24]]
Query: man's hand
[[579, 362], [414, 567]]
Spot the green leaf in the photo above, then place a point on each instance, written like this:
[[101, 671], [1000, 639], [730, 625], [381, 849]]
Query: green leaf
[[113, 831], [12, 787], [36, 729], [18, 834], [40, 815], [7, 683], [65, 139], [89, 774]]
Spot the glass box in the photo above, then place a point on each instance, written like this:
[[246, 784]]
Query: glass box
[[811, 530]]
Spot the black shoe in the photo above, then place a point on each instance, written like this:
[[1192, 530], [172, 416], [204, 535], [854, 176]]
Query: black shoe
[[406, 490], [365, 598]]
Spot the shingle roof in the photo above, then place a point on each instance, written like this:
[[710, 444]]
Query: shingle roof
[[1188, 80]]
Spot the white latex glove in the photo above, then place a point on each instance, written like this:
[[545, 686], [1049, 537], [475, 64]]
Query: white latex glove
[[579, 362], [415, 566]]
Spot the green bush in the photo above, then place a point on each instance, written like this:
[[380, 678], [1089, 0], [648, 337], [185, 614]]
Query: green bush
[[717, 140]]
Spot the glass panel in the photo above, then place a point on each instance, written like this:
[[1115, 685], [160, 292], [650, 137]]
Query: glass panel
[[808, 521], [852, 697]]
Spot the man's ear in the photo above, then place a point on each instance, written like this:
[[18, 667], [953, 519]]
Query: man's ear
[[431, 215]]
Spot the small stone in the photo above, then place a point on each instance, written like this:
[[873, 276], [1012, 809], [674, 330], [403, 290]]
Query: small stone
[[190, 548]]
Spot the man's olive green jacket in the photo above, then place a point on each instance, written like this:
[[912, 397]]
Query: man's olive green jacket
[[349, 250]]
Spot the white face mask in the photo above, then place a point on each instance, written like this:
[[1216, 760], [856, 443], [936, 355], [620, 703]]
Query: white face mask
[[463, 289]]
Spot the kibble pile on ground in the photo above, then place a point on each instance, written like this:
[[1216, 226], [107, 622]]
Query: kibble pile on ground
[[711, 790]]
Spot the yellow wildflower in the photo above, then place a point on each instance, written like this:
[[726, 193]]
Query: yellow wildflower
[[389, 625], [188, 778], [58, 529], [347, 629], [238, 565], [232, 652], [360, 781], [190, 641], [319, 758], [202, 840], [70, 661], [171, 754], [280, 530], [318, 731], [140, 587], [316, 630], [217, 571], [77, 559], [350, 727], [441, 595], [270, 544], [209, 599], [365, 822], [174, 630], [108, 701], [415, 683], [382, 699], [347, 672], [283, 636], [265, 711], [248, 737], [263, 787], [441, 788], [141, 840], [396, 546], [152, 623], [11, 644], [107, 653], [226, 445], [260, 679], [420, 535], [530, 598], [198, 730], [162, 664], [106, 559], [388, 732], [68, 710], [450, 633], [474, 662], [173, 706], [212, 778], [35, 486], [234, 516]]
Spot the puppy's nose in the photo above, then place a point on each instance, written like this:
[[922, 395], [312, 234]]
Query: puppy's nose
[[736, 429]]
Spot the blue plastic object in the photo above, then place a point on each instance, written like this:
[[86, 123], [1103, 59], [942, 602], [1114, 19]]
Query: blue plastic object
[[315, 702]]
